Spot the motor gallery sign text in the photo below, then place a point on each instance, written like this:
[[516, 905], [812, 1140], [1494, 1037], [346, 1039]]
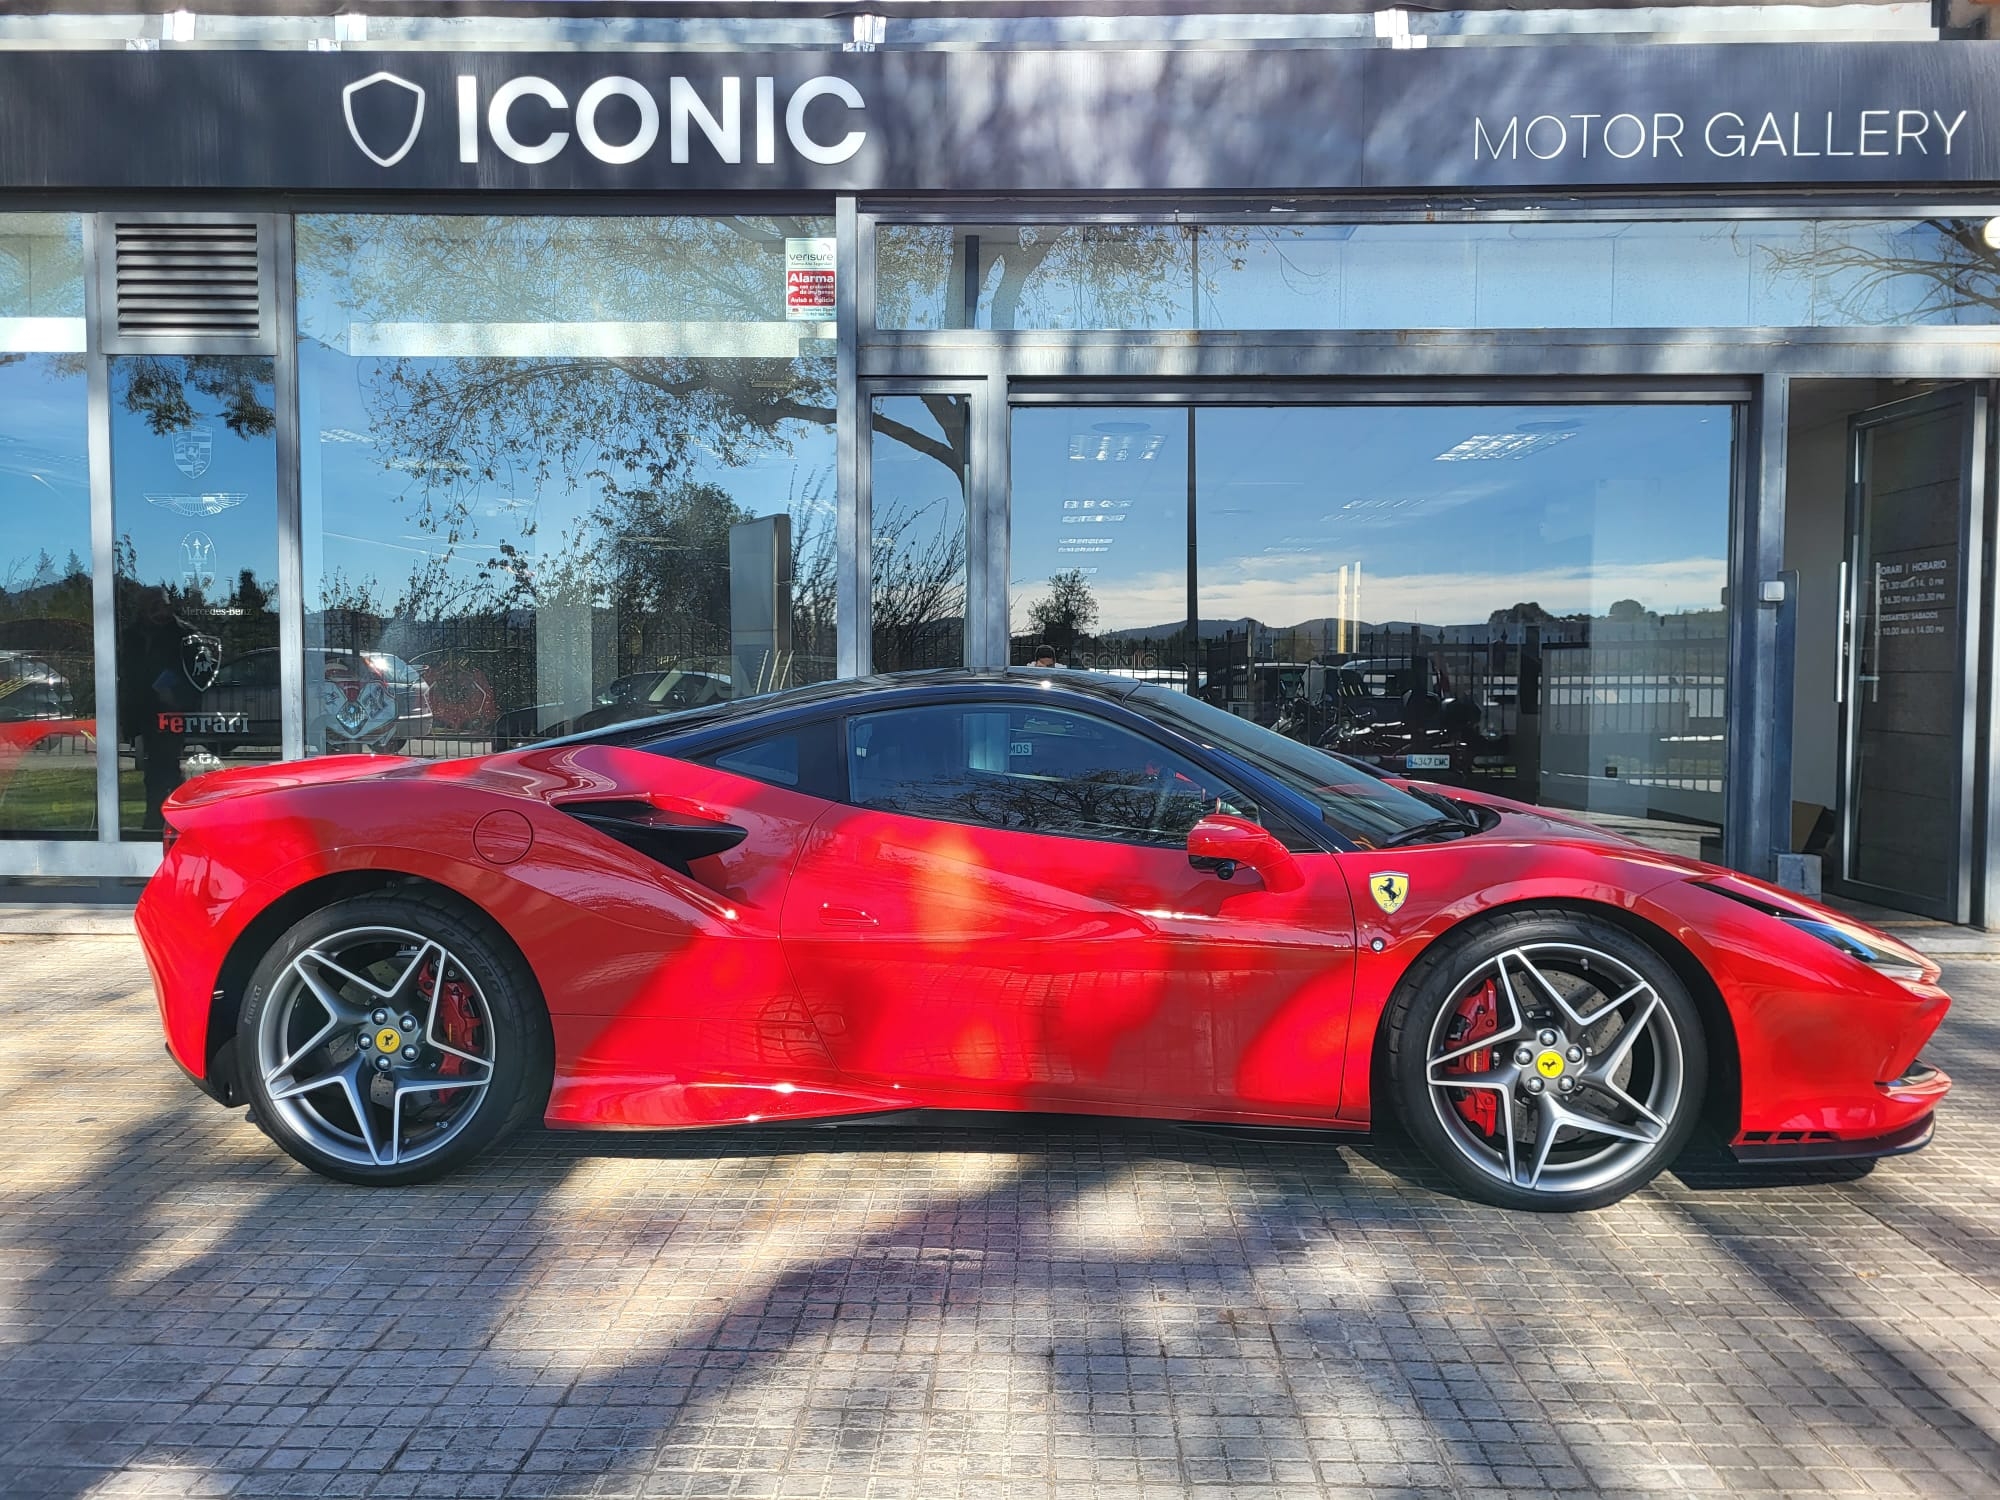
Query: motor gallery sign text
[[1664, 134]]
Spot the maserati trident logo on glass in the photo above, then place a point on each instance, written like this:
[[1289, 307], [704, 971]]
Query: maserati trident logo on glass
[[391, 115], [1390, 888], [198, 560]]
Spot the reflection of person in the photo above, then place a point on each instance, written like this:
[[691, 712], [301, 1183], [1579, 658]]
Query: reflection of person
[[1045, 656], [153, 692]]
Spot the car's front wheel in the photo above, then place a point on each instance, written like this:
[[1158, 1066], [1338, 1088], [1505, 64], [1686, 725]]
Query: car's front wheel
[[1546, 1060], [388, 1039]]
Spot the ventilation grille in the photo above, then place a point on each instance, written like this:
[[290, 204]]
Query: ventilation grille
[[188, 280]]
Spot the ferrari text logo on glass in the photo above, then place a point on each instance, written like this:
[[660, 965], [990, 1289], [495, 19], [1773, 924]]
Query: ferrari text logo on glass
[[1390, 889]]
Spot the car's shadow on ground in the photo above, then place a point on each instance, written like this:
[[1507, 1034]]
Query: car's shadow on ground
[[1705, 1166], [938, 1130]]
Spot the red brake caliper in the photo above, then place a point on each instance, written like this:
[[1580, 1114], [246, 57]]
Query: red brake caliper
[[457, 1023], [1478, 1018]]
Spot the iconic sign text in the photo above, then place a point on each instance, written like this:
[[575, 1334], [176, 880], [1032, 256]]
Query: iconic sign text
[[530, 134]]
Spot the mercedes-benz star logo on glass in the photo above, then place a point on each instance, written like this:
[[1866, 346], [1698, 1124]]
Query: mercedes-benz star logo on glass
[[396, 105]]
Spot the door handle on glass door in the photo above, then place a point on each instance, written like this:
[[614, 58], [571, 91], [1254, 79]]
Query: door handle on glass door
[[844, 916]]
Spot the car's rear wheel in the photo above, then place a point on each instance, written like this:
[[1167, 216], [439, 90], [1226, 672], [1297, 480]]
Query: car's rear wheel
[[389, 1039], [1547, 1060]]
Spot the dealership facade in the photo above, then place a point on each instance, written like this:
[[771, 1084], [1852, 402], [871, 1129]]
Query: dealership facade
[[1603, 423]]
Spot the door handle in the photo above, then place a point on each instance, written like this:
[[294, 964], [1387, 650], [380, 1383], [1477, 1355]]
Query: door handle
[[844, 916]]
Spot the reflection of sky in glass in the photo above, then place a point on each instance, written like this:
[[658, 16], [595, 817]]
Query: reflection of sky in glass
[[917, 550], [1450, 512], [386, 298], [239, 487], [365, 511], [1630, 502], [44, 478], [1102, 490]]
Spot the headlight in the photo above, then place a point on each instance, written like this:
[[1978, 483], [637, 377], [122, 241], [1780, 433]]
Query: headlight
[[1888, 964], [1883, 963]]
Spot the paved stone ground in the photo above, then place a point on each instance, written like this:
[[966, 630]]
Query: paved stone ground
[[1016, 1312]]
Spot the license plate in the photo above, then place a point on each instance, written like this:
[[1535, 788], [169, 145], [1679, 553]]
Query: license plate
[[1428, 762]]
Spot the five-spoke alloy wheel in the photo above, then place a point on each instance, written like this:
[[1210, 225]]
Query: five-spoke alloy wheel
[[389, 1039], [1547, 1060]]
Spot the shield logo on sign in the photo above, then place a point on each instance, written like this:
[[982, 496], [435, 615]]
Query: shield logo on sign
[[201, 659], [1390, 889], [198, 560], [384, 109], [194, 451]]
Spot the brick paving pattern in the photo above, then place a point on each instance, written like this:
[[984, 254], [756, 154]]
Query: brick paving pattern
[[1019, 1311]]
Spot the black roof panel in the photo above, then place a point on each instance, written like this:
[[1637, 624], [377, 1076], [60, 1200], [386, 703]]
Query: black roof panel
[[856, 690]]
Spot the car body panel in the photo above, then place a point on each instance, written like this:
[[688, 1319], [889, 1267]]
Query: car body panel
[[1059, 971], [840, 959]]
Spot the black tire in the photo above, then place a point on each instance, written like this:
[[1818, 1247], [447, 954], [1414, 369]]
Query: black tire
[[474, 972], [1652, 1091]]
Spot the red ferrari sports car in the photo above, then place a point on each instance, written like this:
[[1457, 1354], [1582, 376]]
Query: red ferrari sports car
[[1006, 891]]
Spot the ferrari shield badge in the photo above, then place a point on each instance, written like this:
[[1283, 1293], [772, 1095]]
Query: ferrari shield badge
[[1389, 888]]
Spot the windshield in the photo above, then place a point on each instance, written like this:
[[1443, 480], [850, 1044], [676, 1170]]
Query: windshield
[[1367, 810]]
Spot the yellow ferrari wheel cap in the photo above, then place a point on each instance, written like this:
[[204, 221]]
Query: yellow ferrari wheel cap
[[1390, 888], [1550, 1064], [388, 1039]]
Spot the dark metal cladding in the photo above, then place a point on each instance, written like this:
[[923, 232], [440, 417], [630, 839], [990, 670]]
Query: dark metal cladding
[[1082, 121]]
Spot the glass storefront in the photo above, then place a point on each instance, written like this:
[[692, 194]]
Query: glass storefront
[[920, 456], [48, 688], [557, 473], [536, 473], [194, 472], [1733, 273], [1527, 599]]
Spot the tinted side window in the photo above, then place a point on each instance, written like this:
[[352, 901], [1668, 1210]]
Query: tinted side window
[[1036, 770], [775, 760]]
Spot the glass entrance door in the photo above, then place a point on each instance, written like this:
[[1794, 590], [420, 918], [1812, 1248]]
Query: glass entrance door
[[920, 479], [1522, 598], [194, 473], [1909, 682]]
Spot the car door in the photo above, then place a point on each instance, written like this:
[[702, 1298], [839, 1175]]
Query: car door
[[1004, 913]]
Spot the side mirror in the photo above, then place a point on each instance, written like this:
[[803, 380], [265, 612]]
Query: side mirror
[[1220, 843]]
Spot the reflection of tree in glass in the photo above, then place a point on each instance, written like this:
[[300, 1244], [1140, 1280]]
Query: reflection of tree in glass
[[157, 387], [635, 429], [1865, 272], [1073, 276], [1067, 613], [45, 612], [917, 571], [1126, 804], [917, 552]]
